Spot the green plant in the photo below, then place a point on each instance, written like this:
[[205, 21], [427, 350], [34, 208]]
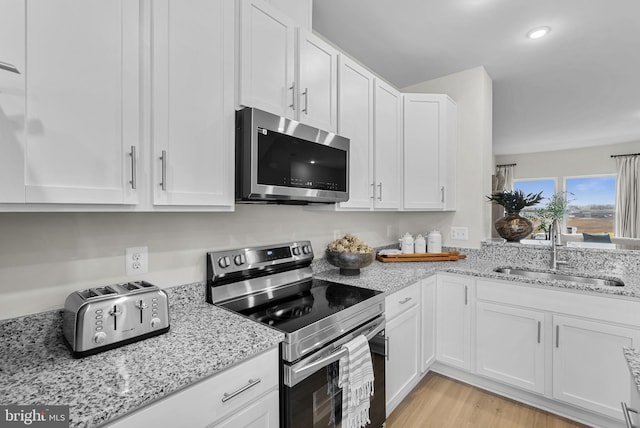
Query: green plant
[[514, 200], [556, 209]]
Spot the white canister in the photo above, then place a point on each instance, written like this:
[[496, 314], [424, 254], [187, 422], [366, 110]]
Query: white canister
[[434, 242], [420, 244], [406, 244]]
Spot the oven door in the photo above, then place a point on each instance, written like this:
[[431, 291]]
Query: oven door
[[310, 393]]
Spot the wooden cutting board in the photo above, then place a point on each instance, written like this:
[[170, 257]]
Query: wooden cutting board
[[450, 256]]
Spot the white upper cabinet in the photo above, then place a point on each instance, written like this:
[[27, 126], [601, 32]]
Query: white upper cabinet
[[192, 102], [267, 59], [430, 133], [284, 69], [387, 136], [82, 101], [12, 101], [317, 82], [355, 107]]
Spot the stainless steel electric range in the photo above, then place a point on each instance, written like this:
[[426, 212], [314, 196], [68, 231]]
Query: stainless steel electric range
[[274, 285]]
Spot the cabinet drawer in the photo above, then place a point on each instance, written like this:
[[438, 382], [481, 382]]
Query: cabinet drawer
[[402, 300], [202, 403]]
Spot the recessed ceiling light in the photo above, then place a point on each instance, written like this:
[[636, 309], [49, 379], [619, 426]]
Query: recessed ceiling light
[[536, 33]]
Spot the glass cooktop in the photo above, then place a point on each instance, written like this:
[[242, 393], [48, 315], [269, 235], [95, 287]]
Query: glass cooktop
[[305, 304]]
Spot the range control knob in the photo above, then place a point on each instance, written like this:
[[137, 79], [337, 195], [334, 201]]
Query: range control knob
[[306, 249], [239, 259], [296, 251], [224, 262], [99, 337], [155, 322]]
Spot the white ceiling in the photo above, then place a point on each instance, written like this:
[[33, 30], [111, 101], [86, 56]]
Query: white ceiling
[[577, 87]]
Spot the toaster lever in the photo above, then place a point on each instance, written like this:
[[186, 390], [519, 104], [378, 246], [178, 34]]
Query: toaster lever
[[140, 304], [115, 312]]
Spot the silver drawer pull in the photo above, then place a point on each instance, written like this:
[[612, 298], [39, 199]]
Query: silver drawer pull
[[627, 416], [406, 300], [226, 397], [9, 67]]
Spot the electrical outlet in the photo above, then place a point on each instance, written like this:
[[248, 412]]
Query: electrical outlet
[[137, 260], [460, 233]]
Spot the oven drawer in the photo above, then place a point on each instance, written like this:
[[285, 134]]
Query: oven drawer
[[402, 300]]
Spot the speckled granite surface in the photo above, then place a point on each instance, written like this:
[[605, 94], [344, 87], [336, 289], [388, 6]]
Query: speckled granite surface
[[633, 359], [481, 263], [36, 367]]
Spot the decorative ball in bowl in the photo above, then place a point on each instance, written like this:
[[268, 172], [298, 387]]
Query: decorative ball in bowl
[[349, 263]]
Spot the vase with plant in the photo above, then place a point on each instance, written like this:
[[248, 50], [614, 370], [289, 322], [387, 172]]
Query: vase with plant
[[513, 227], [556, 209]]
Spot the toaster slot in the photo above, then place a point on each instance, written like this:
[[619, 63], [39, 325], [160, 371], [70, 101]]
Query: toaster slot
[[105, 291], [130, 286], [87, 294]]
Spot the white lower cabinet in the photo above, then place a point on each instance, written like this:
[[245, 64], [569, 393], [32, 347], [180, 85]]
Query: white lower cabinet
[[245, 395], [428, 322], [402, 371], [510, 345], [589, 368], [454, 321], [565, 347]]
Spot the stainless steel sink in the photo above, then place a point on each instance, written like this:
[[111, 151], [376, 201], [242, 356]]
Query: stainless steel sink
[[611, 282]]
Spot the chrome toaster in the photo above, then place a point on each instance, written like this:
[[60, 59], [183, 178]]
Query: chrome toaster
[[102, 318]]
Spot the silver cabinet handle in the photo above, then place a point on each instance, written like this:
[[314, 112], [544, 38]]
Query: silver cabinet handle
[[9, 67], [386, 347], [292, 106], [406, 300], [380, 191], [627, 416], [226, 397], [557, 336], [373, 185], [163, 158], [442, 191], [133, 167], [466, 295], [539, 328], [306, 101]]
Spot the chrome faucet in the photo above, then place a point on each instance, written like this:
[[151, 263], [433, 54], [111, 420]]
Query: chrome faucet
[[556, 241]]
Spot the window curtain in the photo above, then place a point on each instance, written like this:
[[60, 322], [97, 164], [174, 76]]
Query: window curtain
[[504, 178], [628, 197]]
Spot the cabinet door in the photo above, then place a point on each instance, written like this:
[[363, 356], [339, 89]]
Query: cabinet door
[[403, 350], [589, 367], [267, 52], [355, 102], [454, 321], [423, 160], [430, 122], [12, 100], [387, 145], [193, 114], [263, 413], [317, 82], [510, 345], [82, 101], [428, 322]]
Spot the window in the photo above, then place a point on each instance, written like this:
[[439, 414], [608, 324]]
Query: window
[[545, 185], [592, 203]]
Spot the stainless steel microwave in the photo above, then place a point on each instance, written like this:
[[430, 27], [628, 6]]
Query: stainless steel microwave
[[279, 160]]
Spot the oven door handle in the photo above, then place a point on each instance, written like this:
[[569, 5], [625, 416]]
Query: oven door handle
[[304, 368]]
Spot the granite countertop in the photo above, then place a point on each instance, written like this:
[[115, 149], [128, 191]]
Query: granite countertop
[[633, 360], [37, 368], [388, 277]]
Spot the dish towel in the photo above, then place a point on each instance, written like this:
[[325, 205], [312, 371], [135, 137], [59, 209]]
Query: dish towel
[[356, 382]]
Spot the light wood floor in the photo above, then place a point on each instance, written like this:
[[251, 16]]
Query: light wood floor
[[441, 402]]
